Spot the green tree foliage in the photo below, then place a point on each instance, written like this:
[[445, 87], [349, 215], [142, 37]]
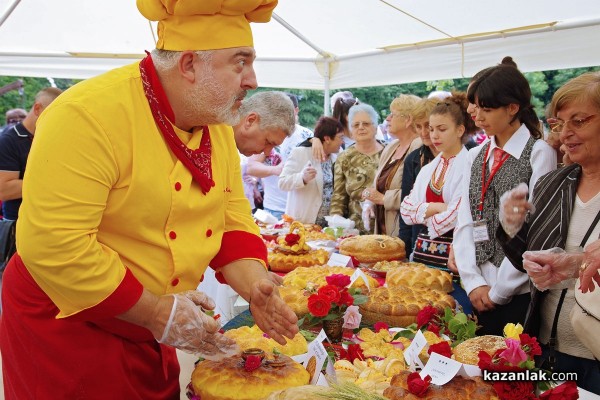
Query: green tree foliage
[[543, 85]]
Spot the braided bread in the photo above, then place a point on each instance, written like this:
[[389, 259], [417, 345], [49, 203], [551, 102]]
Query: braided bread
[[400, 305], [372, 248], [285, 257], [418, 275]]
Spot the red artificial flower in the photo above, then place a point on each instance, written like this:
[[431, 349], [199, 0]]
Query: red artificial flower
[[442, 348], [252, 362], [485, 361], [339, 280], [318, 305], [354, 352], [346, 298], [380, 325], [330, 292], [426, 315], [291, 239], [495, 362], [565, 391], [530, 345], [522, 390], [416, 385]]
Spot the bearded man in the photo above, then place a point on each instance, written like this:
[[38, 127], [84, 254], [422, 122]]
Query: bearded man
[[132, 189]]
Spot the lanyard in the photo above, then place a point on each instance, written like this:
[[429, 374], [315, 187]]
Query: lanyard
[[485, 185]]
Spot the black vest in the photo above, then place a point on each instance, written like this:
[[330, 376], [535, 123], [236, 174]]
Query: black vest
[[510, 174]]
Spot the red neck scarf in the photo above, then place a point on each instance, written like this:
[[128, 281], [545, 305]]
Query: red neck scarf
[[197, 161]]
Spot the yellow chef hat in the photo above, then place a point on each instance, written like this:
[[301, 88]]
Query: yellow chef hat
[[205, 24]]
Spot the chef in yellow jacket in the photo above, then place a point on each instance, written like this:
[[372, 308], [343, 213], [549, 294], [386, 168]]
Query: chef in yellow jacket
[[133, 188]]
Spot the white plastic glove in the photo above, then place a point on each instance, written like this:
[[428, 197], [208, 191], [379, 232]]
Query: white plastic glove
[[368, 213], [549, 267], [191, 330], [308, 173], [588, 273], [513, 209]]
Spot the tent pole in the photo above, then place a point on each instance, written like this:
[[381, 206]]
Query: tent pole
[[9, 11], [326, 105]]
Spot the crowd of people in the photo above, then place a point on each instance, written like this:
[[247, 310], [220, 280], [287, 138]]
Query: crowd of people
[[120, 211]]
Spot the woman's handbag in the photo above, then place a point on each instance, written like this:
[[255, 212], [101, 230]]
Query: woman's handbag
[[585, 318], [8, 241]]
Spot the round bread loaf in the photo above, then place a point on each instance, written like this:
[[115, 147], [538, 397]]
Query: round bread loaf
[[467, 352], [315, 276], [458, 388], [286, 262], [228, 379], [254, 338], [369, 249], [399, 306], [419, 275]]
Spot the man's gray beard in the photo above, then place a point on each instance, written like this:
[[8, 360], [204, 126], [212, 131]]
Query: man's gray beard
[[201, 103]]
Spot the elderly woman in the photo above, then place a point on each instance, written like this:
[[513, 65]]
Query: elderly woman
[[564, 215], [310, 183], [355, 167], [384, 193]]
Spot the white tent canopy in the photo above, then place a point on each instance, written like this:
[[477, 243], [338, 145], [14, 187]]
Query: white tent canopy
[[318, 44]]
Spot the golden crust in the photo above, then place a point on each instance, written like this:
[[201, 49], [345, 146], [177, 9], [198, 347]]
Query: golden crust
[[400, 305], [315, 276], [281, 262], [458, 388], [372, 248], [296, 298], [419, 275], [467, 352], [253, 337], [227, 379]]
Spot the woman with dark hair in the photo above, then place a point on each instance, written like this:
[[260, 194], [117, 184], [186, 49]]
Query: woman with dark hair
[[341, 108], [310, 186], [514, 153]]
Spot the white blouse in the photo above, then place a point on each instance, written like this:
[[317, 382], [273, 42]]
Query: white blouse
[[414, 206]]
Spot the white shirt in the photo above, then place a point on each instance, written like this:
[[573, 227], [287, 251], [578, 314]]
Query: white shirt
[[414, 206], [505, 281]]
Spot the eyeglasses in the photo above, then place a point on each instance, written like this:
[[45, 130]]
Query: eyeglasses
[[357, 125], [557, 125]]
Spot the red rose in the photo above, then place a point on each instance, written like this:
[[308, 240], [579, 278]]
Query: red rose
[[354, 352], [355, 262], [416, 385], [442, 348], [339, 280], [330, 292], [565, 391], [318, 305], [252, 362], [291, 239], [346, 298], [530, 345], [434, 328], [426, 315], [380, 325], [522, 390], [485, 361]]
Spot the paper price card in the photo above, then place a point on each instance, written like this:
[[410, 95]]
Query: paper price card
[[315, 359], [411, 354], [330, 370], [340, 260], [358, 274], [441, 369]]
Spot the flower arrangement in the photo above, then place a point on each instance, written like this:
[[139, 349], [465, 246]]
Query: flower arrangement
[[518, 357], [457, 326], [334, 301]]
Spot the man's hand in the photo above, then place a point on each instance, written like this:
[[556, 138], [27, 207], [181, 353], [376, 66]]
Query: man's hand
[[480, 299], [272, 315], [191, 330]]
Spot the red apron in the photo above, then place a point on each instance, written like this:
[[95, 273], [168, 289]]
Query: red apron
[[48, 358]]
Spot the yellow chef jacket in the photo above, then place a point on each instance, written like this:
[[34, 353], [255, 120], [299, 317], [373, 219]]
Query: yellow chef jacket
[[108, 209]]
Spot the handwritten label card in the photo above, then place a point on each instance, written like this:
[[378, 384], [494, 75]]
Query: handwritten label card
[[330, 370], [339, 260], [441, 369], [411, 354]]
